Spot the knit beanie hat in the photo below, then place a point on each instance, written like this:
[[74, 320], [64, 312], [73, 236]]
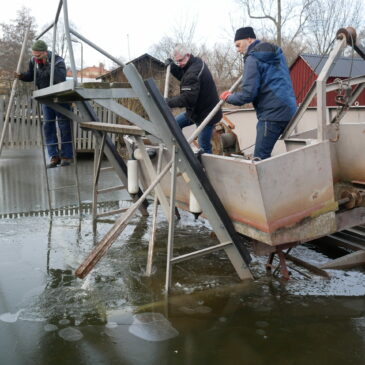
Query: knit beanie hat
[[40, 46], [243, 33]]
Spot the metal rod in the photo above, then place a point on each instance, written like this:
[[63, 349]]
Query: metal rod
[[106, 54], [69, 43], [112, 188], [321, 88], [170, 240], [151, 243], [115, 231], [45, 31], [13, 89], [98, 153], [44, 158], [201, 252], [53, 57], [211, 114]]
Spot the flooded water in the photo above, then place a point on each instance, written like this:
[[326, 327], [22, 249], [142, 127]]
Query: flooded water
[[117, 315]]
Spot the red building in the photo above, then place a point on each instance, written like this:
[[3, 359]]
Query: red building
[[90, 73], [305, 69]]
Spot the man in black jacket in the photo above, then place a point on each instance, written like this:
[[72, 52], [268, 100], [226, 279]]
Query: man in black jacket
[[41, 61], [198, 94]]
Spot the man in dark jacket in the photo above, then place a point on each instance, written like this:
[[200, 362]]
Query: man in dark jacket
[[266, 83], [41, 62], [198, 94]]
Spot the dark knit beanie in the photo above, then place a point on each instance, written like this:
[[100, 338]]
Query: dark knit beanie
[[243, 33], [40, 46]]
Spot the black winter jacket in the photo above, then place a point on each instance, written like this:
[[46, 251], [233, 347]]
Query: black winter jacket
[[43, 72], [198, 93]]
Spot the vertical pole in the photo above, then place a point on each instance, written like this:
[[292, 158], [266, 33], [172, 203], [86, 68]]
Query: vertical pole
[[98, 155], [53, 53], [151, 243], [170, 241], [44, 158], [68, 38], [13, 89], [321, 87], [76, 171]]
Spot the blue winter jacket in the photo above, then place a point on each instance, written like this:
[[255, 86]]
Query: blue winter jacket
[[266, 83]]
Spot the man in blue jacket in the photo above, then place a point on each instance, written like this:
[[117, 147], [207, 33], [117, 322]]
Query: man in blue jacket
[[41, 61], [267, 85]]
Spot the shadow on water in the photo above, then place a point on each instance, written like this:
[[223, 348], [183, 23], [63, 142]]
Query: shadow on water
[[118, 315]]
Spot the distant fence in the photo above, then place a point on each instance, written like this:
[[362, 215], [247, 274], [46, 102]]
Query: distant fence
[[24, 132]]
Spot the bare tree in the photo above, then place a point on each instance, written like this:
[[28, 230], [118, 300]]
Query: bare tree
[[13, 34], [224, 63], [289, 17], [182, 33], [327, 16]]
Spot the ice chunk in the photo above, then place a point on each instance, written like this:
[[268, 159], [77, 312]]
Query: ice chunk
[[152, 327], [10, 317], [70, 334], [50, 327]]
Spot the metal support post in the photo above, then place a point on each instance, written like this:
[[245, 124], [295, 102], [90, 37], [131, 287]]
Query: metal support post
[[170, 241], [321, 87], [117, 229], [98, 155], [151, 243]]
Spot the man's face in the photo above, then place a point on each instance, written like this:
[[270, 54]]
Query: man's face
[[242, 44], [181, 60], [40, 55]]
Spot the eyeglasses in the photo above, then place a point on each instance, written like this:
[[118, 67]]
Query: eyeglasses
[[181, 60]]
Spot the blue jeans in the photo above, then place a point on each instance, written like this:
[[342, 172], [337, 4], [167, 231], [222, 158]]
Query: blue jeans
[[204, 136], [267, 133], [50, 132]]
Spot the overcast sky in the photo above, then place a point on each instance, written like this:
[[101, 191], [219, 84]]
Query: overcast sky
[[110, 23]]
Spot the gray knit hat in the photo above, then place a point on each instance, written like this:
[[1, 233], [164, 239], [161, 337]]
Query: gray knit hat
[[40, 46]]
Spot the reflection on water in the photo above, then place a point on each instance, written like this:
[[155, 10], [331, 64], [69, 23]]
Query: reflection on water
[[117, 315]]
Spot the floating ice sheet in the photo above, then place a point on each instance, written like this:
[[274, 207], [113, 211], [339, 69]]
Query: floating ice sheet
[[70, 334], [10, 317], [152, 327]]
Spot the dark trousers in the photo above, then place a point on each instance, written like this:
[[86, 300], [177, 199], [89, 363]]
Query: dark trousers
[[267, 133], [50, 132], [204, 136]]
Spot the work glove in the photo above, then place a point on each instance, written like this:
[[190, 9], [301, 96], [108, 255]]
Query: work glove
[[17, 75], [168, 61], [225, 95]]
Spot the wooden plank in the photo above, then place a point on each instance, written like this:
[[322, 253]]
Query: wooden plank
[[349, 261], [114, 128]]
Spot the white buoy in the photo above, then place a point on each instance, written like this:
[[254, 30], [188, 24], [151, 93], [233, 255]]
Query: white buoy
[[137, 154], [194, 206], [132, 166]]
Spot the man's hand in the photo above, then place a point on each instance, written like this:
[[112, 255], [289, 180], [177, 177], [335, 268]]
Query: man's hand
[[17, 75], [225, 95]]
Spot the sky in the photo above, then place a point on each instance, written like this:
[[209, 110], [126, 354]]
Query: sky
[[128, 29]]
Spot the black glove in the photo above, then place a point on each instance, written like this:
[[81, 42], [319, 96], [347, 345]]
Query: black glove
[[168, 61]]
